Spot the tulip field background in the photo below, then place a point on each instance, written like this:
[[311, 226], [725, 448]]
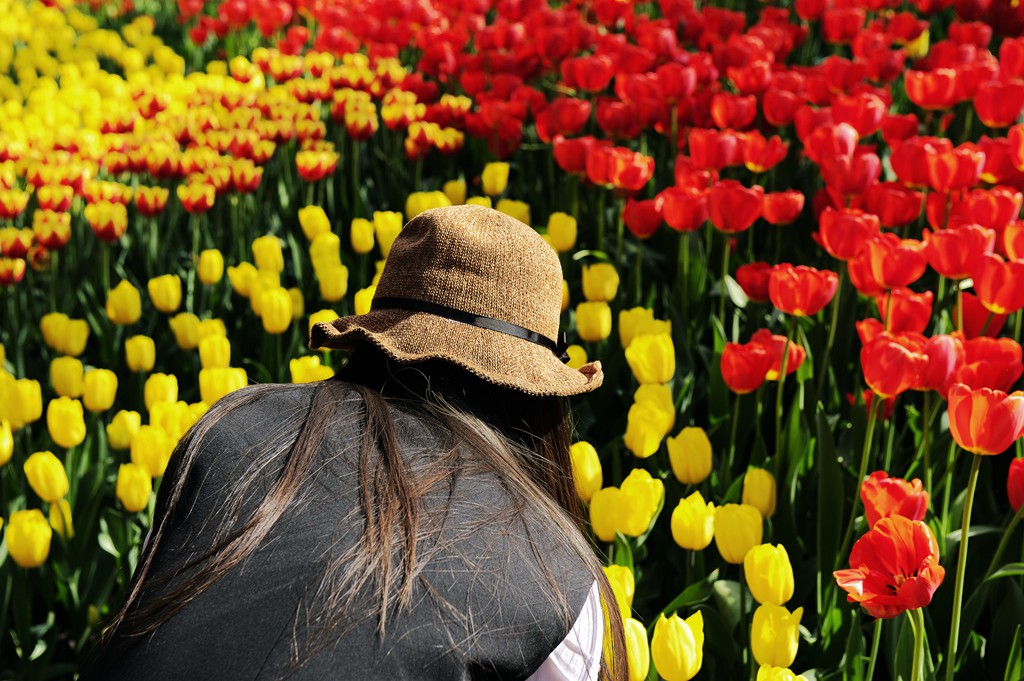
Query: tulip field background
[[791, 232]]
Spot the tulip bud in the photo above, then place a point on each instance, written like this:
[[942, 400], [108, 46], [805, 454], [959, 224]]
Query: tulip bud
[[298, 303], [494, 178], [593, 321], [1014, 481], [759, 491], [623, 585], [99, 390], [165, 292], [769, 574], [455, 190], [266, 251], [60, 519], [151, 449], [677, 647], [28, 538], [333, 283], [364, 299], [586, 469], [484, 201], [122, 429], [174, 418], [693, 522], [124, 304], [689, 452], [650, 418], [309, 370], [416, 203], [214, 351], [387, 225], [241, 278], [185, 327], [266, 280], [140, 353], [630, 320], [565, 296], [775, 635], [275, 310], [562, 233], [216, 383], [327, 316], [767, 673], [66, 422], [600, 282], [577, 356], [361, 236], [520, 210], [313, 221], [21, 402], [638, 650], [738, 529], [160, 388], [604, 513], [65, 335], [134, 487], [211, 266], [67, 377], [652, 358], [46, 476], [6, 442]]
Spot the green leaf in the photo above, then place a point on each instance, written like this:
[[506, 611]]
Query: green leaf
[[623, 552], [1009, 570], [736, 294], [690, 596], [727, 595], [831, 507], [1015, 662]]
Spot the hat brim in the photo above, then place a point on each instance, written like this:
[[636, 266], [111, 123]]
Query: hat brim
[[495, 357]]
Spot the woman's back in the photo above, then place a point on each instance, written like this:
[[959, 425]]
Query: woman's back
[[481, 604]]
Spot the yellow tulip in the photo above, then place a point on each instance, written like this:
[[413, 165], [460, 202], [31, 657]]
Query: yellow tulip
[[494, 178], [174, 418], [638, 651], [689, 452], [364, 299], [185, 327], [151, 449], [604, 513], [309, 370], [61, 520], [738, 529], [211, 266], [165, 292], [677, 646], [565, 296], [333, 283], [520, 210], [455, 190], [386, 226], [623, 585], [241, 278], [160, 388], [693, 522], [67, 377], [484, 201], [214, 351], [577, 356], [275, 310], [134, 487], [124, 304], [211, 327], [325, 252], [99, 390], [326, 316], [769, 574], [768, 673], [46, 476], [759, 491], [216, 383], [600, 282], [562, 231], [416, 203], [652, 358], [639, 321], [28, 538], [593, 321], [21, 402], [63, 334], [361, 236], [775, 635], [313, 221], [6, 442], [641, 497], [140, 353], [266, 251], [66, 422], [586, 469], [649, 420], [122, 429], [298, 303]]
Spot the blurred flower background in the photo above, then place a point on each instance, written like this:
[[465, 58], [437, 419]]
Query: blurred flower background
[[790, 231]]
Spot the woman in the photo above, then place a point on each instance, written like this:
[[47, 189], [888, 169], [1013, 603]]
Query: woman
[[412, 518]]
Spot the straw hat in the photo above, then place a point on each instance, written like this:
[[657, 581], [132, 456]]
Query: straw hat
[[474, 287]]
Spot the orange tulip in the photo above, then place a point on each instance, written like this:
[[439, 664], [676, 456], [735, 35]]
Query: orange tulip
[[997, 283], [985, 421], [801, 291], [956, 253], [892, 364], [887, 262]]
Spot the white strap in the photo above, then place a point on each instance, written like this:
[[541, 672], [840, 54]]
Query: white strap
[[578, 656]]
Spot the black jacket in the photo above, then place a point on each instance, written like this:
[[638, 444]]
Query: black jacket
[[479, 609]]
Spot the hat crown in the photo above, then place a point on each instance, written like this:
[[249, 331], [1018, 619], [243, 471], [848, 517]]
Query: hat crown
[[480, 261]]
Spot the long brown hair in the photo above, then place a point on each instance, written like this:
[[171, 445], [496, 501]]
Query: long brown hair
[[522, 440]]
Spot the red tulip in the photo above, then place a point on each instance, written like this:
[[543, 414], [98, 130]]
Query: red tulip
[[909, 159], [899, 128], [733, 111], [780, 106], [619, 119], [677, 82], [992, 208], [985, 421], [775, 345], [630, 170], [999, 103], [714, 149], [600, 160], [894, 567], [884, 497], [753, 279], [998, 284], [975, 317], [1015, 484], [887, 262], [945, 354], [831, 141], [782, 208], [801, 291], [760, 154], [1013, 240], [903, 310], [12, 271], [864, 111], [685, 209], [571, 154], [956, 253], [563, 116], [892, 364], [990, 363], [841, 25], [752, 78], [733, 207], [744, 367], [849, 176], [843, 232], [590, 74], [895, 205], [642, 218], [932, 89], [957, 169]]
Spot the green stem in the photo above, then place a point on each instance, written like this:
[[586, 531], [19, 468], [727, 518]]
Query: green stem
[[105, 255], [732, 442], [357, 206], [961, 565], [926, 454], [620, 227], [722, 288], [790, 332], [193, 263], [988, 320], [947, 490], [875, 642], [865, 457], [917, 621], [599, 223], [1007, 533], [683, 270], [832, 329], [639, 272], [959, 308]]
